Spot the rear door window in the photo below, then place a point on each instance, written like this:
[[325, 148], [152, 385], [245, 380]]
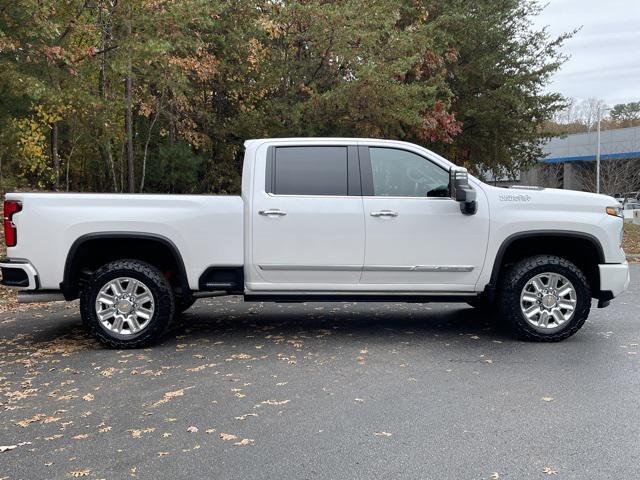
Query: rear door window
[[310, 171]]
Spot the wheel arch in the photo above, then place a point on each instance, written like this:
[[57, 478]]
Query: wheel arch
[[575, 246], [114, 243]]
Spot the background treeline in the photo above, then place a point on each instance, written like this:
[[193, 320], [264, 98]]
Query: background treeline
[[159, 95], [582, 116]]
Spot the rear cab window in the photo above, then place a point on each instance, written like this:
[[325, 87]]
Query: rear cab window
[[313, 170]]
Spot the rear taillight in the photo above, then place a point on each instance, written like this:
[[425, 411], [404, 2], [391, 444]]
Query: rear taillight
[[10, 231]]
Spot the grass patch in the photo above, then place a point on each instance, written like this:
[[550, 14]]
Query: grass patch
[[631, 243]]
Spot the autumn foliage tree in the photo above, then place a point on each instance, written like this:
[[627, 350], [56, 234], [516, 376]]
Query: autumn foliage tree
[[159, 95]]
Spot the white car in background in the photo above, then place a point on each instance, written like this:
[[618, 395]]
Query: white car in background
[[629, 208]]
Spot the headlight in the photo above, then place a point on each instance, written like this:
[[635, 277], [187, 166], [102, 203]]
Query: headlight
[[615, 211]]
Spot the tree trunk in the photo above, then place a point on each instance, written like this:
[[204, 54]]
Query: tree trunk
[[105, 142], [68, 164], [128, 128], [146, 146], [55, 155], [128, 114]]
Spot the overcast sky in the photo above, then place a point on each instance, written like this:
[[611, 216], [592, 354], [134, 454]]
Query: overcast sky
[[605, 54]]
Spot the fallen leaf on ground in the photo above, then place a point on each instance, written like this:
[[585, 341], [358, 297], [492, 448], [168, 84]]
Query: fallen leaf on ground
[[168, 396], [199, 368], [244, 442], [5, 448], [137, 433], [85, 472], [275, 402], [244, 417], [50, 420], [36, 418]]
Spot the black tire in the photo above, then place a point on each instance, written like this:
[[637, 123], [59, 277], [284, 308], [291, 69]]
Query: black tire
[[514, 281], [184, 304], [157, 284]]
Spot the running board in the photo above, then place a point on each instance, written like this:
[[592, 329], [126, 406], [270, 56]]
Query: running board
[[351, 297]]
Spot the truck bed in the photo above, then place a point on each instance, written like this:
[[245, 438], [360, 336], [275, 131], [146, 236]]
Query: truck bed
[[205, 229]]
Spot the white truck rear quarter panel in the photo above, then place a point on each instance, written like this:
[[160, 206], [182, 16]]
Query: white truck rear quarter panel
[[206, 230]]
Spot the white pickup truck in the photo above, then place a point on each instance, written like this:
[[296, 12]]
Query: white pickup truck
[[330, 219]]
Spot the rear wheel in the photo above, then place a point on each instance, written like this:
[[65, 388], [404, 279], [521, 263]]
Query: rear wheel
[[544, 298], [127, 304]]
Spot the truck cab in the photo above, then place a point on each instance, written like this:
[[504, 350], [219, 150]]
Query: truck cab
[[361, 217]]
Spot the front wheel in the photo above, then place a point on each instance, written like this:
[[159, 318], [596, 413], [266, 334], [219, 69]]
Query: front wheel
[[127, 304], [544, 298]]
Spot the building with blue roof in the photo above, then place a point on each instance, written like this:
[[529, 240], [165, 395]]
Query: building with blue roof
[[572, 151]]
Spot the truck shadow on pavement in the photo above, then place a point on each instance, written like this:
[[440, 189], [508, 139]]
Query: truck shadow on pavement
[[237, 319], [234, 320]]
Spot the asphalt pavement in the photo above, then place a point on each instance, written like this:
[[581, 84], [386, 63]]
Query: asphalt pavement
[[321, 391]]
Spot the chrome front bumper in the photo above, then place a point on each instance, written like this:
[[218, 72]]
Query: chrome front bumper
[[614, 278]]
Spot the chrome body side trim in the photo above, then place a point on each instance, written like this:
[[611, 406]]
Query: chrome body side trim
[[370, 268], [311, 268]]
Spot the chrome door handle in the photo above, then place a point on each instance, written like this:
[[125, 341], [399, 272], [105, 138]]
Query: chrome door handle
[[384, 213], [272, 211]]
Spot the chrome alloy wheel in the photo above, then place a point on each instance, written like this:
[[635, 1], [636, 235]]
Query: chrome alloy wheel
[[548, 300], [125, 306]]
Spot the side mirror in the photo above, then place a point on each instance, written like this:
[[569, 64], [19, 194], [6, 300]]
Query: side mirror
[[462, 191]]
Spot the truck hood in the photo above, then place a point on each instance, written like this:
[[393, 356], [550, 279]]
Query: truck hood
[[541, 201], [562, 199]]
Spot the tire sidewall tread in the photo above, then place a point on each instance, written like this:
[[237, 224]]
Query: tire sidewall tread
[[511, 287], [152, 278]]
